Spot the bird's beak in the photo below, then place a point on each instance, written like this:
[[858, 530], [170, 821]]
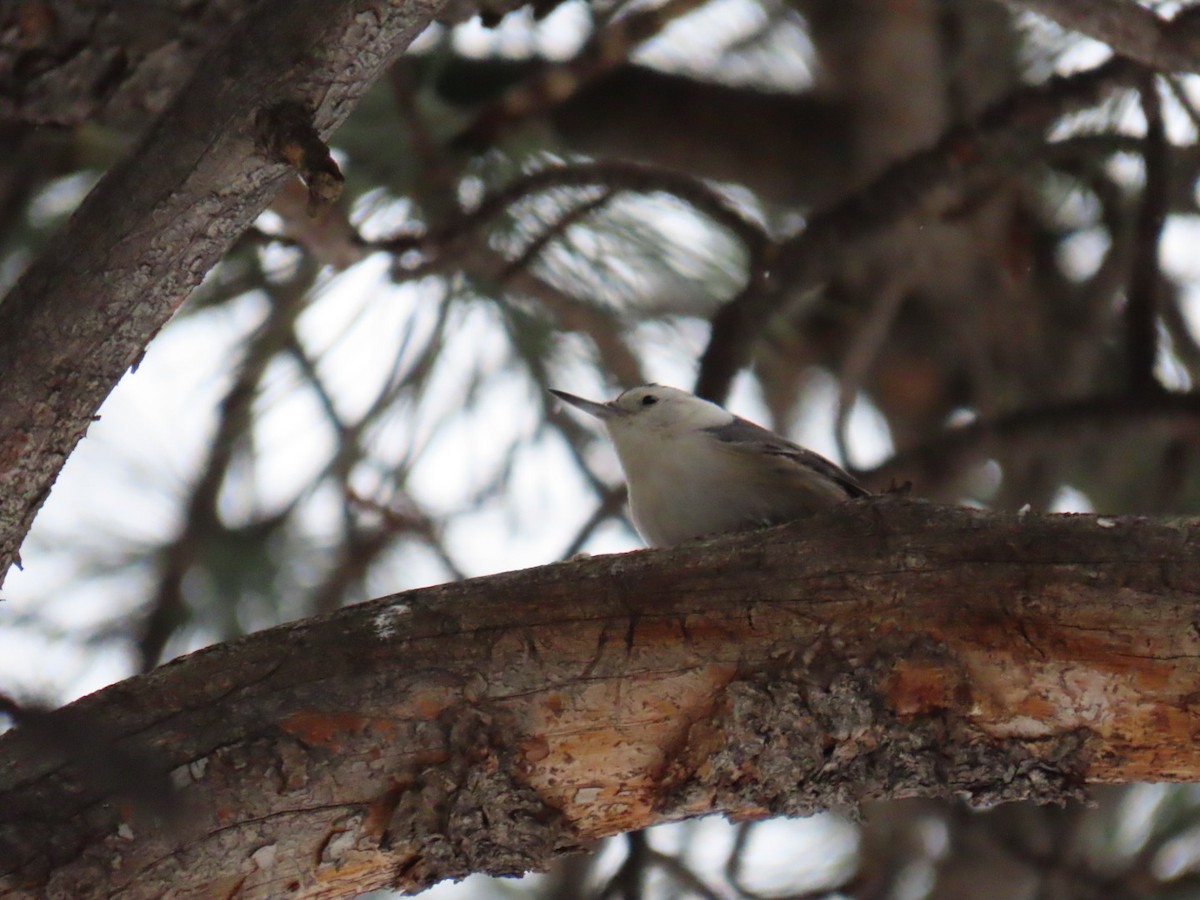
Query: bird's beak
[[599, 410]]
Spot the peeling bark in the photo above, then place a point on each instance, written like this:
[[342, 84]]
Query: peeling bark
[[887, 649]]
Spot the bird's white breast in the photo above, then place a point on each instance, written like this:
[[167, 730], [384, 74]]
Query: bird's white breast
[[688, 484], [682, 489]]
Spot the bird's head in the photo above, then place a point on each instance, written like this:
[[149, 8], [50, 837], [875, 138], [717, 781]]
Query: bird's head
[[652, 409]]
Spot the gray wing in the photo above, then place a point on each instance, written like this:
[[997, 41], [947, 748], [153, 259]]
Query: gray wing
[[739, 431]]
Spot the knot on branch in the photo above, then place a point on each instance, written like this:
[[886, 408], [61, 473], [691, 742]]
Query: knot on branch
[[285, 133], [837, 729], [470, 812]]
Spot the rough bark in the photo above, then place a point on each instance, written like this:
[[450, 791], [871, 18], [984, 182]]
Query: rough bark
[[888, 649], [85, 310], [114, 62]]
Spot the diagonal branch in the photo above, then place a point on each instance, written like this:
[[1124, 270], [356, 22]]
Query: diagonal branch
[[885, 649], [1003, 133], [607, 49], [85, 310], [1129, 28], [202, 525]]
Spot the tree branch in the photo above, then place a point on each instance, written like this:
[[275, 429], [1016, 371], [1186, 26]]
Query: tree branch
[[1142, 297], [115, 62], [883, 650], [614, 176], [202, 526], [608, 48], [1129, 28], [916, 183], [929, 464], [85, 310]]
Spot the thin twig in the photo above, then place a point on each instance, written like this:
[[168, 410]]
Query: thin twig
[[611, 504], [1131, 29], [933, 461], [629, 881], [1141, 308], [616, 176], [864, 350], [167, 609], [358, 551], [601, 325], [1182, 98], [679, 871], [736, 859], [607, 49], [555, 230], [1183, 342]]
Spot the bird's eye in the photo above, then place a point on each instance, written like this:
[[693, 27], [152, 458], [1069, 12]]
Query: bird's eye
[[649, 400]]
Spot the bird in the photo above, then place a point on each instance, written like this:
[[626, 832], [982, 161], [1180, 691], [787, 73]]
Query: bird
[[695, 469]]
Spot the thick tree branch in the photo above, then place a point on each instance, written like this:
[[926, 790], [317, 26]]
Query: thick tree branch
[[86, 309], [789, 148], [118, 62], [887, 649]]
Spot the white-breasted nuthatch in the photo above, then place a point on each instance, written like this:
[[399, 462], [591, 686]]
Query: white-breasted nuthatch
[[694, 468]]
